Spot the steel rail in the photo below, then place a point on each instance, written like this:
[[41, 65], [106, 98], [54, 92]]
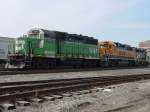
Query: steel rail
[[59, 70], [38, 89]]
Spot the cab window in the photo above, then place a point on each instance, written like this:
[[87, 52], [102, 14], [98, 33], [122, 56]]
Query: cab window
[[104, 46]]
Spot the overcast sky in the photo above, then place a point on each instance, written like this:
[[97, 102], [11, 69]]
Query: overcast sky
[[126, 21]]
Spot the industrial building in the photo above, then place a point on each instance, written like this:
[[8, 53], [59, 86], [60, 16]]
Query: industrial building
[[146, 45]]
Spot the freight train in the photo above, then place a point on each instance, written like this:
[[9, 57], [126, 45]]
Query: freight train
[[42, 48], [117, 54]]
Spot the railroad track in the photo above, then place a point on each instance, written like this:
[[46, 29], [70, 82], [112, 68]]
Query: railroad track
[[21, 93], [59, 70]]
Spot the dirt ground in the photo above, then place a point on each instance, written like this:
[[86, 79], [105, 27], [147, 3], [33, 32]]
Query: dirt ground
[[46, 76], [129, 97]]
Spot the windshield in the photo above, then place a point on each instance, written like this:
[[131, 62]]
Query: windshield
[[104, 46], [34, 33]]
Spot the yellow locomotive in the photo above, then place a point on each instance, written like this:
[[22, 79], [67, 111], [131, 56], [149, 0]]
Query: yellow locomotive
[[114, 53]]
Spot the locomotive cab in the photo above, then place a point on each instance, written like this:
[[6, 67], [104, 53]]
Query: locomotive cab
[[24, 48], [117, 54], [17, 59], [106, 50]]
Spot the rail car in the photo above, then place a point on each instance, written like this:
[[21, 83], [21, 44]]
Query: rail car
[[42, 48], [141, 57], [48, 49], [114, 54], [6, 47], [117, 54]]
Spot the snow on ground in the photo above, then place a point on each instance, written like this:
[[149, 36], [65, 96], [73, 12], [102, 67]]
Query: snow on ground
[[46, 76], [129, 97]]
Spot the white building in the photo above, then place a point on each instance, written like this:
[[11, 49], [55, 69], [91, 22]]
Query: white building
[[146, 45]]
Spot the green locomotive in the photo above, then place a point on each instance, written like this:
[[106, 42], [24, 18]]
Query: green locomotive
[[47, 49]]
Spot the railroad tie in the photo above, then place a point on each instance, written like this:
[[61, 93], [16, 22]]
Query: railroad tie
[[7, 106], [57, 96], [48, 98], [67, 94], [23, 103], [37, 100]]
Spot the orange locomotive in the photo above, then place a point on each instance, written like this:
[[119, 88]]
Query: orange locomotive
[[117, 54]]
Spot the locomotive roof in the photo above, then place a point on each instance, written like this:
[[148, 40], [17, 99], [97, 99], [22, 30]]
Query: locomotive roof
[[50, 31], [64, 35], [74, 35]]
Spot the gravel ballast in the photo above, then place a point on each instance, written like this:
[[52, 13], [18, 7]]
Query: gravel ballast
[[129, 97], [46, 76]]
